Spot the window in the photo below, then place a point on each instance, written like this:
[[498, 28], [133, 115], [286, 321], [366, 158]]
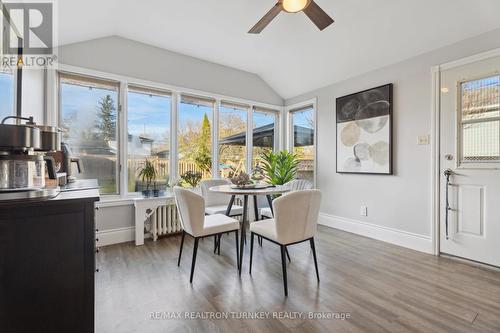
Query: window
[[194, 137], [6, 94], [148, 134], [232, 138], [114, 144], [480, 120], [302, 127], [88, 114], [265, 136]]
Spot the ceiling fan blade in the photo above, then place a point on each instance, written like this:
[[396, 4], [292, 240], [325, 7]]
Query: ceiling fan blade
[[256, 29], [318, 15]]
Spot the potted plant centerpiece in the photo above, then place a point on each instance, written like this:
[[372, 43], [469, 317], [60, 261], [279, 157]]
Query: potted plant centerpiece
[[280, 167], [147, 174], [191, 179]]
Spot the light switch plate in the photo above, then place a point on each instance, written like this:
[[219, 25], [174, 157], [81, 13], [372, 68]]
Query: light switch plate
[[363, 211], [423, 140]]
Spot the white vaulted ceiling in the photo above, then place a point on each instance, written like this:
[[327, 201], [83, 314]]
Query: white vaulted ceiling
[[291, 55]]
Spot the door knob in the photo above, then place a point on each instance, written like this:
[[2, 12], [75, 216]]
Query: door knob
[[448, 157]]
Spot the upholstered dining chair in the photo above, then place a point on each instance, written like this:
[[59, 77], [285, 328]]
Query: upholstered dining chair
[[191, 208], [217, 203], [294, 185], [295, 220]]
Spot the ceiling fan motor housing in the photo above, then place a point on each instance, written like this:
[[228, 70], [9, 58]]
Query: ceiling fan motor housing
[[294, 6]]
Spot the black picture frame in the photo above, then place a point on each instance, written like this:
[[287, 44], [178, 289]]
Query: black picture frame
[[386, 91]]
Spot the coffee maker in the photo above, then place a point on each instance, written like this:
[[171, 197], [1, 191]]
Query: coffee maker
[[23, 159]]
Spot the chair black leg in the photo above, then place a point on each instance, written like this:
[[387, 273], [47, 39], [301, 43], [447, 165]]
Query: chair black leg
[[287, 254], [180, 250], [251, 252], [218, 244], [237, 251], [195, 250], [313, 248], [259, 239], [283, 266]]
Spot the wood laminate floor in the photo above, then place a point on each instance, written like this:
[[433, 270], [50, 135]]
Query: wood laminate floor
[[384, 288]]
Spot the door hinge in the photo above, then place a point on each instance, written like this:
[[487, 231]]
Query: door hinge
[[120, 108]]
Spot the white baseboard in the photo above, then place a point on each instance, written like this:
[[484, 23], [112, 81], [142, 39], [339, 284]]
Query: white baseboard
[[116, 236], [390, 235]]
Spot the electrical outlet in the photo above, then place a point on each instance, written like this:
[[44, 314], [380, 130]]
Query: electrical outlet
[[363, 211]]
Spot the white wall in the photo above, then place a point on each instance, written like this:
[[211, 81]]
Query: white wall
[[133, 59], [402, 201]]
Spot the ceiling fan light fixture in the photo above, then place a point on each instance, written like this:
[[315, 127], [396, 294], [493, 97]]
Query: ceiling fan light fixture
[[294, 6]]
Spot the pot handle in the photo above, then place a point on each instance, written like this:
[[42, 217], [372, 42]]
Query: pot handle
[[78, 162], [51, 166]]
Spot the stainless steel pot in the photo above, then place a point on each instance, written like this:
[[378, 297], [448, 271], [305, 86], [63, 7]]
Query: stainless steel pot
[[50, 138], [19, 137]]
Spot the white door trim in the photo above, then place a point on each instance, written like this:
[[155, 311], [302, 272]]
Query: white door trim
[[436, 132]]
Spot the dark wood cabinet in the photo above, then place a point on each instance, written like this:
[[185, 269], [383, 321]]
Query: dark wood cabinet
[[47, 265]]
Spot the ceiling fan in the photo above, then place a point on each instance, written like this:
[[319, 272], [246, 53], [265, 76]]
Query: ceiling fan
[[309, 7]]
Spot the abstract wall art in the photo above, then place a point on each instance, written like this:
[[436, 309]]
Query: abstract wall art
[[364, 132]]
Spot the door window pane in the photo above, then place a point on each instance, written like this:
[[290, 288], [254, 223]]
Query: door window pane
[[195, 135], [480, 118], [303, 141], [148, 132], [6, 95], [264, 133], [89, 118], [481, 142], [232, 138], [480, 98]]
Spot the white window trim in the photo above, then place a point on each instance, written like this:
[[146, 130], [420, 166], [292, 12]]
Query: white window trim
[[52, 113], [288, 110]]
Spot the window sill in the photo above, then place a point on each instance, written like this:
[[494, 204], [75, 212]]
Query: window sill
[[115, 200]]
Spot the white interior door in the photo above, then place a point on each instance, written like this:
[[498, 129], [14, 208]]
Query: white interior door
[[470, 151]]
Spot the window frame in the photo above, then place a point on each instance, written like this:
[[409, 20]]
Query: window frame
[[207, 99], [460, 163], [125, 151], [119, 122], [53, 112], [297, 107], [277, 126], [228, 104]]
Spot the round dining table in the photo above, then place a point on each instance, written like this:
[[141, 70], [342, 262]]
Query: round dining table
[[233, 191]]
